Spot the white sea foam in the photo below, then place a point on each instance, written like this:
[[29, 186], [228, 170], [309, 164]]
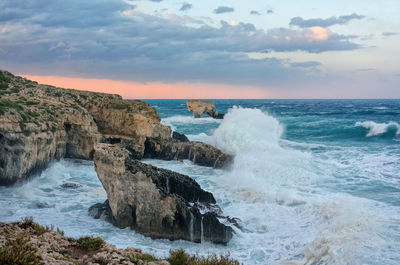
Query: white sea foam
[[376, 129], [273, 189], [201, 137], [242, 128], [180, 119], [380, 108]]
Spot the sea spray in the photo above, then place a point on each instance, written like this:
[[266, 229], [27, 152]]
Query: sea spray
[[254, 138], [265, 175]]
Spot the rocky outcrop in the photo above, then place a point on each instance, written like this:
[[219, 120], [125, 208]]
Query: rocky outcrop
[[29, 243], [199, 107], [40, 123], [199, 153], [178, 137], [27, 148], [156, 202]]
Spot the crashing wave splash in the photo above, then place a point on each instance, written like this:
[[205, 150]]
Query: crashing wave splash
[[268, 175], [376, 129]]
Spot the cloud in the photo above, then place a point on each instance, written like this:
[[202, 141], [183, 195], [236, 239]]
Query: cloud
[[254, 12], [185, 7], [110, 39], [313, 22], [365, 69], [223, 9], [270, 11], [390, 33], [306, 64]]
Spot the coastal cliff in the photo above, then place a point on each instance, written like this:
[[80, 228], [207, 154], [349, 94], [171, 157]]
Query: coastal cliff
[[41, 123]]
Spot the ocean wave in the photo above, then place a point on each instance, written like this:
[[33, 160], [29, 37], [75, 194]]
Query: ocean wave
[[380, 108], [376, 129], [253, 136]]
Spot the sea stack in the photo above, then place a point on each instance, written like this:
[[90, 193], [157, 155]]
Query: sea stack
[[155, 202], [199, 107]]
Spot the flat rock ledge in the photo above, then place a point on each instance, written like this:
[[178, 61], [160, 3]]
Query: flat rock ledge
[[155, 202], [199, 153]]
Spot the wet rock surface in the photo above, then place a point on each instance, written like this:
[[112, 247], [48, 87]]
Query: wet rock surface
[[156, 202], [199, 153]]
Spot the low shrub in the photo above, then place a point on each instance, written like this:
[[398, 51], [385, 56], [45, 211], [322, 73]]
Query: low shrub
[[180, 257], [90, 243], [18, 252], [39, 229]]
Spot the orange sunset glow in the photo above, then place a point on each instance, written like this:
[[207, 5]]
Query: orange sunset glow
[[154, 90]]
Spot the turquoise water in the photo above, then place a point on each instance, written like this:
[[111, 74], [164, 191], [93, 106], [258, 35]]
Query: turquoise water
[[313, 182]]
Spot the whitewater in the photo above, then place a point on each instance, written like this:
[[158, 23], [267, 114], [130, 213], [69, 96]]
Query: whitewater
[[312, 182]]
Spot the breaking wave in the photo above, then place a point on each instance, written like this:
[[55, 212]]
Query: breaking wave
[[376, 129]]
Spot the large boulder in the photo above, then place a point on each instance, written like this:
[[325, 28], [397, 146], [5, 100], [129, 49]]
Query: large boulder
[[199, 107], [156, 202]]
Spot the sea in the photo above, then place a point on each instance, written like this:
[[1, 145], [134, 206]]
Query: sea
[[312, 182]]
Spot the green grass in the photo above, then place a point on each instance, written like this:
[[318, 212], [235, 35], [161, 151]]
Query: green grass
[[90, 243]]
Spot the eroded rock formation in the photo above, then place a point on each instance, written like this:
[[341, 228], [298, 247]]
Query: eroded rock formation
[[153, 201], [40, 123], [199, 107]]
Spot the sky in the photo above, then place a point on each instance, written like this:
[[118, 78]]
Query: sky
[[208, 48]]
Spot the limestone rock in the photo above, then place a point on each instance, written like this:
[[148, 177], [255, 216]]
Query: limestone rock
[[198, 107], [200, 153], [40, 123], [153, 201]]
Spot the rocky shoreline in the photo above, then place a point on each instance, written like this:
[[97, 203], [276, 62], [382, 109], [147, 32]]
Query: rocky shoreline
[[41, 123], [28, 243]]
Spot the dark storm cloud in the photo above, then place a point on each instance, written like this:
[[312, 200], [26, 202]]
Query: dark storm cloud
[[185, 6], [306, 23], [111, 39], [223, 9]]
